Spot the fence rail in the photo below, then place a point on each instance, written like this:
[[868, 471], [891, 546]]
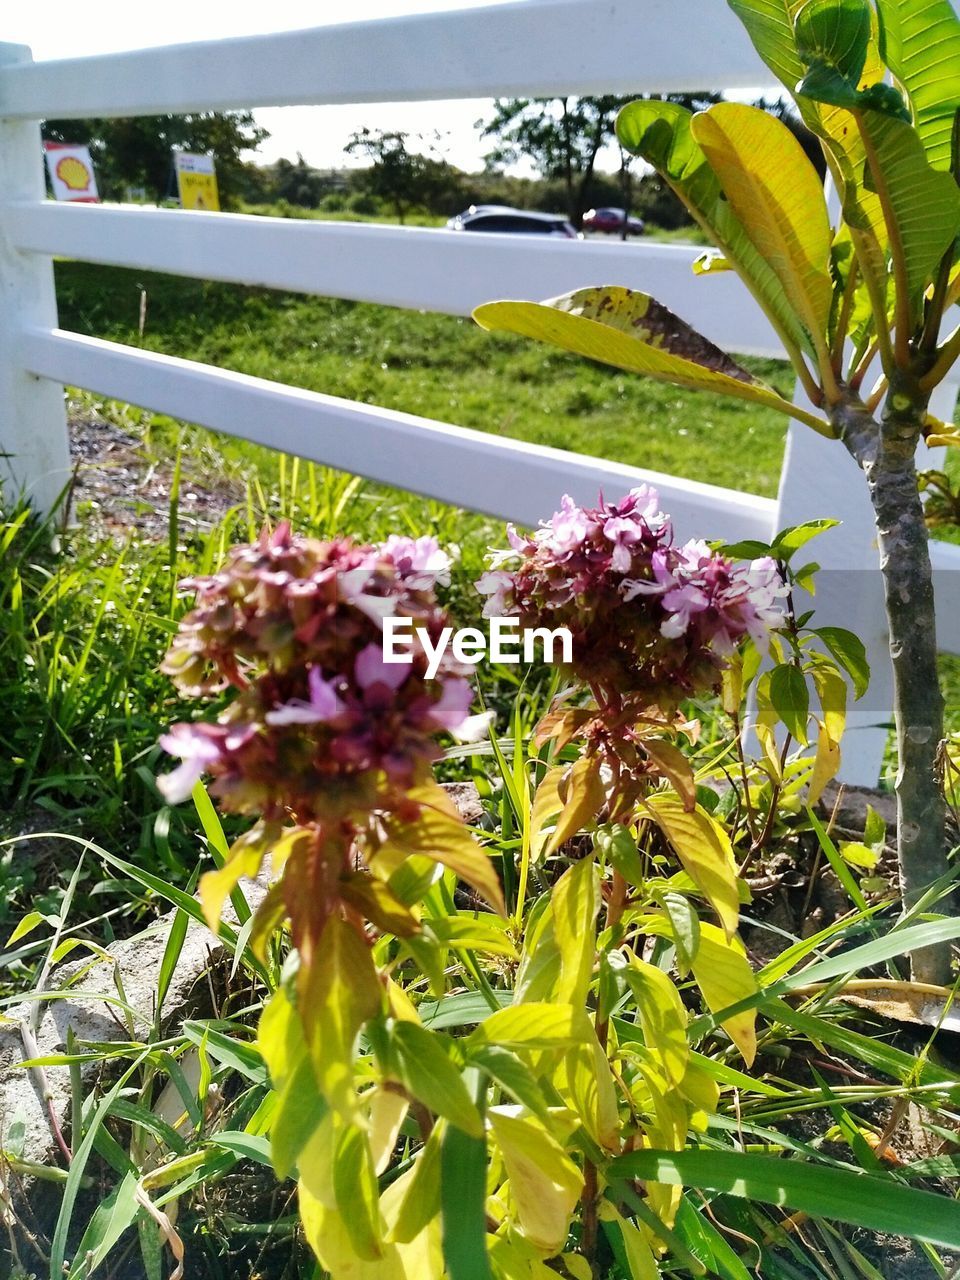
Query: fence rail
[[535, 48]]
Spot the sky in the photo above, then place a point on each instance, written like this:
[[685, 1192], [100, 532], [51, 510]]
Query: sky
[[64, 28]]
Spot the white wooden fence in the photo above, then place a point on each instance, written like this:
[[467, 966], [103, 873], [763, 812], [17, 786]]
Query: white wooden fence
[[535, 48]]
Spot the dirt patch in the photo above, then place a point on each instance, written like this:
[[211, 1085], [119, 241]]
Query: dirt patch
[[121, 488]]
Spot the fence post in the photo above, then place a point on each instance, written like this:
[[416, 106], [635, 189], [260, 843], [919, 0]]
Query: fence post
[[820, 479], [34, 445]]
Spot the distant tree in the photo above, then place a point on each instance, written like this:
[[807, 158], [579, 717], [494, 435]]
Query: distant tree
[[136, 151], [562, 137], [402, 177], [298, 183]]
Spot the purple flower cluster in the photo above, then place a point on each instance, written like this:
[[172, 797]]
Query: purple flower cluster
[[649, 618], [321, 725]]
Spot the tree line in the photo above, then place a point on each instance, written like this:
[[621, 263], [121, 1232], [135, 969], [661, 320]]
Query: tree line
[[562, 138]]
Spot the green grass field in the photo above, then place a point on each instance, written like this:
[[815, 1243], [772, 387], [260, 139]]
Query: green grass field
[[439, 367]]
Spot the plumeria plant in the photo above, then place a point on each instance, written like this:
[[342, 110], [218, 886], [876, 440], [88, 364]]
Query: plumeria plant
[[493, 1129], [878, 83]]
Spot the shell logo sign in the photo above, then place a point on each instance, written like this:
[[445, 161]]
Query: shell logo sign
[[71, 172]]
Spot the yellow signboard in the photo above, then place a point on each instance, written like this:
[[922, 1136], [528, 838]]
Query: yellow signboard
[[196, 181]]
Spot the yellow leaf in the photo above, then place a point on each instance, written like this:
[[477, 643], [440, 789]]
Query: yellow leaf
[[439, 834], [704, 849], [371, 897], [778, 197], [575, 903], [581, 790], [662, 1016], [328, 1237], [244, 860], [858, 854], [826, 764], [339, 990], [640, 1259], [586, 1084], [387, 1112], [545, 1184], [673, 765], [949, 438], [724, 977], [546, 805], [534, 1026]]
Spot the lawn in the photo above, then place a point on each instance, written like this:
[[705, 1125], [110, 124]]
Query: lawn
[[439, 367]]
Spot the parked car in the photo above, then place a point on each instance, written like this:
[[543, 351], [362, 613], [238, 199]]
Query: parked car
[[611, 220], [498, 217]]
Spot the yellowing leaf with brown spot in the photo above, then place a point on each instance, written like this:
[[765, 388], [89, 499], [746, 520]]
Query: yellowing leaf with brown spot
[[704, 849], [632, 331], [545, 1184], [724, 977]]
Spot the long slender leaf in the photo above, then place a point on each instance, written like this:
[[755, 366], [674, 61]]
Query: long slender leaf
[[879, 1204]]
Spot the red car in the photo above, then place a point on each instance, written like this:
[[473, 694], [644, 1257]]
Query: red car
[[611, 220]]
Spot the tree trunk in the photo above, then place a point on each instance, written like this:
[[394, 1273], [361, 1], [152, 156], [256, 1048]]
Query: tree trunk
[[886, 451]]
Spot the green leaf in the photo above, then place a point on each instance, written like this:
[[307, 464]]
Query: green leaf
[[791, 699], [879, 1204], [833, 37], [789, 541], [300, 1108], [26, 925], [421, 1201], [660, 133], [769, 24], [618, 846], [841, 870], [921, 205], [512, 1075], [429, 1074], [228, 1050], [109, 1222], [250, 1146], [849, 652], [685, 924], [632, 331], [778, 198], [463, 1203], [920, 43]]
